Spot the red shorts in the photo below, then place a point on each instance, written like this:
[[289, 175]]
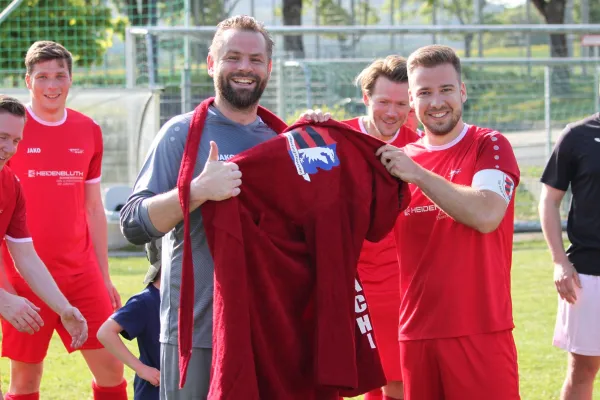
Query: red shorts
[[384, 313], [469, 367], [86, 291]]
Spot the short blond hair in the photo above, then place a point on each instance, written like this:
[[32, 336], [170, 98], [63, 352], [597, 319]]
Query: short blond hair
[[243, 23], [432, 56], [391, 67]]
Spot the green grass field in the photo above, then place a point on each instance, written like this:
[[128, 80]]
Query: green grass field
[[541, 366]]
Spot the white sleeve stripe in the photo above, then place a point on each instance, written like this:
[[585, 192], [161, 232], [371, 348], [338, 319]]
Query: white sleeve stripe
[[19, 240], [495, 181], [95, 180]]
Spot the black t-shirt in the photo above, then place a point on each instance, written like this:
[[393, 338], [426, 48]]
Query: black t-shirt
[[576, 161]]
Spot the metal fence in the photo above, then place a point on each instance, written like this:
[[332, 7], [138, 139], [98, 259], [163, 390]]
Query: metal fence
[[529, 99]]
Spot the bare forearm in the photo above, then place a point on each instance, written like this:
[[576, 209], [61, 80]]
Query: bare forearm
[[116, 347], [99, 236], [165, 210], [35, 273], [4, 282], [552, 228], [464, 204]]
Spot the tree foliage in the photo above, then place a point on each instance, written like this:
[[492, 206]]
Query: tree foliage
[[463, 11], [354, 12], [85, 28], [594, 17]]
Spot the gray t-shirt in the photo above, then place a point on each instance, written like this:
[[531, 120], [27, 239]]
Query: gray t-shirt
[[159, 175]]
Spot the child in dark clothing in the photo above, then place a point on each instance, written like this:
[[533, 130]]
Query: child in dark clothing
[[140, 319]]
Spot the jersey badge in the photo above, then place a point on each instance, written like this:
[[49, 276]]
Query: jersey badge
[[311, 149], [509, 186]]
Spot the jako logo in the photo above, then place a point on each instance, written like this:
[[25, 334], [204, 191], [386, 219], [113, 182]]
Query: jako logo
[[225, 157], [35, 150], [312, 149], [76, 151]]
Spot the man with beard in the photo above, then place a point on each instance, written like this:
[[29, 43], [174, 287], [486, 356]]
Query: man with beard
[[239, 61], [454, 243]]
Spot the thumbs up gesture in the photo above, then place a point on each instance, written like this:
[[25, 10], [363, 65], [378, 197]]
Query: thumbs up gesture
[[218, 181]]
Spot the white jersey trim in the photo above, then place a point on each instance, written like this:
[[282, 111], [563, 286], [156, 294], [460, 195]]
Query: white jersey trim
[[95, 180], [364, 130], [495, 181], [18, 240], [47, 123], [449, 144]]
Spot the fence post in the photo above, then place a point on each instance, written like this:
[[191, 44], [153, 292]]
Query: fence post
[[186, 80], [547, 110], [152, 68], [597, 89], [130, 59], [280, 95]]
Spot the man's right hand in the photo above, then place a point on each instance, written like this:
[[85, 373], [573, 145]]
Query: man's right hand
[[218, 181], [565, 279], [20, 313]]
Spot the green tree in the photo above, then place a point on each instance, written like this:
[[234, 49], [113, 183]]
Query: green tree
[[553, 12], [594, 11], [357, 12], [516, 16], [83, 27], [462, 10], [292, 15]]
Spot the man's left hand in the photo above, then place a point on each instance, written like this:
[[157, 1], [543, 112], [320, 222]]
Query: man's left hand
[[115, 297], [399, 164]]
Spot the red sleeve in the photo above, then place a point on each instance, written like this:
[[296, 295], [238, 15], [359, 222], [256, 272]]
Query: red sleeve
[[17, 228], [95, 169], [496, 152]]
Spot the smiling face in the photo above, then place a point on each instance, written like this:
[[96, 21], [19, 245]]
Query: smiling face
[[240, 68], [387, 106], [11, 133], [49, 83], [437, 95]]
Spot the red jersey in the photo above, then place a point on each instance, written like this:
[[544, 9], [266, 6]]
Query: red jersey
[[454, 280], [13, 223], [54, 163], [378, 262]]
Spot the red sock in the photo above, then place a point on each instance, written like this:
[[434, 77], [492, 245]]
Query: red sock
[[30, 396], [118, 392], [375, 394], [389, 398]]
